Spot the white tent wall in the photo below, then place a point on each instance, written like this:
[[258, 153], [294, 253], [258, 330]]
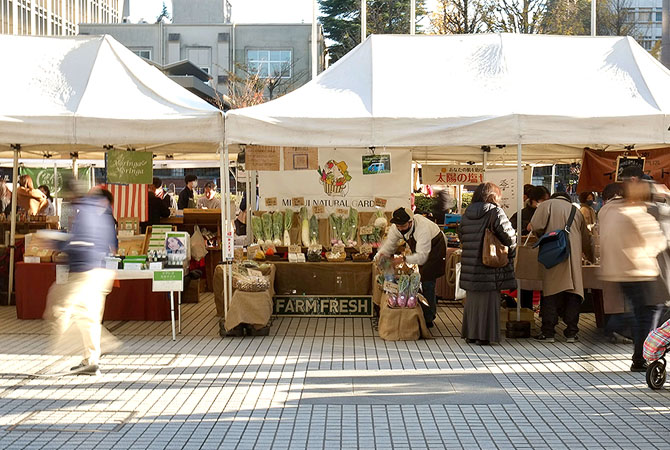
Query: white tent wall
[[82, 94]]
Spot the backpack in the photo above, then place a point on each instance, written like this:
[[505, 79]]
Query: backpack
[[555, 245]]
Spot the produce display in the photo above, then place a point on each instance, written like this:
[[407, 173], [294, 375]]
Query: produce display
[[352, 227], [405, 277], [304, 226], [257, 227], [244, 281], [277, 228], [288, 222], [313, 230], [377, 226], [267, 227], [338, 233]]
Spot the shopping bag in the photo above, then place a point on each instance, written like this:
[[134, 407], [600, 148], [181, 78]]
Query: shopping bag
[[459, 294], [526, 264], [198, 245]]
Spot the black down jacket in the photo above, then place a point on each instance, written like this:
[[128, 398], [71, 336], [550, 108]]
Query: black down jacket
[[475, 276]]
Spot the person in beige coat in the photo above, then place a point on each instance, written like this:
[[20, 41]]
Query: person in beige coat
[[630, 241], [563, 286]]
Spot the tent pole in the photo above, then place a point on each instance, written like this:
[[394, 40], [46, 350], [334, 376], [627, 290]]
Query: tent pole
[[224, 223], [412, 18], [250, 209], [12, 233], [56, 188], [553, 178], [229, 225], [519, 207]]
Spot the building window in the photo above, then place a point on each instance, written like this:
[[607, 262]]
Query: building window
[[659, 17], [270, 63], [25, 21], [205, 69], [6, 16], [144, 53]]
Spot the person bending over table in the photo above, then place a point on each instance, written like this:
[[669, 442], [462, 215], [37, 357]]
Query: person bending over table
[[429, 252]]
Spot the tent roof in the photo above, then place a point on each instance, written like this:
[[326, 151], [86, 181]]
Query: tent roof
[[65, 94], [440, 93]]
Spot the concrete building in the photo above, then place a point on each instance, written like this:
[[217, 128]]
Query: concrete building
[[202, 33], [56, 17], [648, 18]]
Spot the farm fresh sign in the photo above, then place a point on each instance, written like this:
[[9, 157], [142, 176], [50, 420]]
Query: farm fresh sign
[[124, 167]]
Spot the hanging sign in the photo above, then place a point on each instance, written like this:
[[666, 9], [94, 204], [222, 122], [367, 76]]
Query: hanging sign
[[262, 158], [124, 167], [340, 182], [46, 176], [599, 168], [443, 175], [623, 162], [301, 158], [506, 180]]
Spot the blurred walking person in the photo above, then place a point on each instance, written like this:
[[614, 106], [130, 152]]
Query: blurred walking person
[[630, 241], [563, 287], [75, 308], [482, 284]]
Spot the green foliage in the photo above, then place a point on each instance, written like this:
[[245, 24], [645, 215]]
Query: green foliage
[[424, 204], [341, 21], [467, 199]]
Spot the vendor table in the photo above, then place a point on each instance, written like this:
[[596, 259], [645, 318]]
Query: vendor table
[[323, 278], [131, 297]]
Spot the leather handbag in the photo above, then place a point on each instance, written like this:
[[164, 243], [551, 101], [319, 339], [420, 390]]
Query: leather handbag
[[494, 253]]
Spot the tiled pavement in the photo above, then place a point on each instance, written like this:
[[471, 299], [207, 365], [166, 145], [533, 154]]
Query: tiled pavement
[[325, 383]]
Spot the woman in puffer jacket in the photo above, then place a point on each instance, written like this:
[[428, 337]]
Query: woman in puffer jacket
[[481, 314]]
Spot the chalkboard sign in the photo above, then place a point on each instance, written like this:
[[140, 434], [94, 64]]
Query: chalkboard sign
[[125, 167], [623, 162]]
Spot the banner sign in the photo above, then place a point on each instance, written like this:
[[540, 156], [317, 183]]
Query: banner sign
[[452, 174], [506, 180], [599, 168], [339, 182], [46, 176], [323, 306], [124, 167]]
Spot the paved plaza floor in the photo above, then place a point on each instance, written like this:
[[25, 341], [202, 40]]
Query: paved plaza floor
[[325, 383]]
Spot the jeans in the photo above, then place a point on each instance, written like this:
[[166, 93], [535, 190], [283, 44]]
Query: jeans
[[429, 312], [636, 295], [565, 304]]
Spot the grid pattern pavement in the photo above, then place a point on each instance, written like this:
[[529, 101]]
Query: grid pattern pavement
[[203, 392]]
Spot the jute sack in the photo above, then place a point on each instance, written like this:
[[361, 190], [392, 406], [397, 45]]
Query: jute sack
[[401, 324]]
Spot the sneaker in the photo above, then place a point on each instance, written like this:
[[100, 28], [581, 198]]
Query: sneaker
[[638, 367], [543, 338], [85, 369], [620, 339], [572, 339]]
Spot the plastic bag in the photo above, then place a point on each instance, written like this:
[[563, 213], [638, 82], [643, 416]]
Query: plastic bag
[[198, 244]]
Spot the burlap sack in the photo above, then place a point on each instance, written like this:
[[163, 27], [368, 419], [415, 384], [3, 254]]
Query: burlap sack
[[401, 324], [217, 283], [253, 308]]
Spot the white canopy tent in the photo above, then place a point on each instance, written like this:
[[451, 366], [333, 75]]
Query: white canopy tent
[[81, 95], [445, 97]]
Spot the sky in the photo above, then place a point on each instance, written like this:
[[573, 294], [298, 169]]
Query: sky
[[245, 11]]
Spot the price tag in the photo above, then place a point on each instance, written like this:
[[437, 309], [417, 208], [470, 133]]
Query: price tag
[[271, 201], [339, 248], [239, 254], [156, 266], [380, 202], [251, 251], [366, 249], [391, 288], [366, 230], [31, 259], [294, 249], [255, 273], [343, 211], [298, 201], [319, 209]]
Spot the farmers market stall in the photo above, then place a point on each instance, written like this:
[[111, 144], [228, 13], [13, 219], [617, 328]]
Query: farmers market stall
[[605, 92], [115, 105]]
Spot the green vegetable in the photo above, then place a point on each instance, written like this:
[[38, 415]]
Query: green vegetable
[[414, 283], [288, 220], [277, 227], [304, 226], [352, 226], [313, 230], [257, 227], [267, 226], [403, 284]]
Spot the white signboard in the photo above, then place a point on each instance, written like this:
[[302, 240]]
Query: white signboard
[[340, 182], [443, 175], [506, 180], [168, 280]]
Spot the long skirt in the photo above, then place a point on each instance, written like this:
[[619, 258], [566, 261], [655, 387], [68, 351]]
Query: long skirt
[[481, 316]]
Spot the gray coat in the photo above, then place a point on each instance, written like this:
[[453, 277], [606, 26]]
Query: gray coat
[[475, 276]]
